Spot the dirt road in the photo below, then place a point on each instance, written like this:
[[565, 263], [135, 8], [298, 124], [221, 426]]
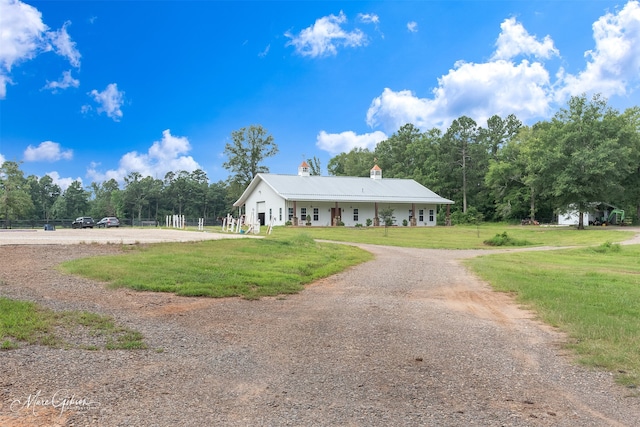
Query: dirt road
[[410, 338]]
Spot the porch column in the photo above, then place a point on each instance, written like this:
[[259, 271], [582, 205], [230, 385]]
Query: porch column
[[337, 216], [414, 222], [295, 214], [376, 220], [448, 218]]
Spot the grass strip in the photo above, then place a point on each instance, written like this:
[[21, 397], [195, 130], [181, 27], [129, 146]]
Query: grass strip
[[27, 322], [460, 237], [250, 268], [592, 294]]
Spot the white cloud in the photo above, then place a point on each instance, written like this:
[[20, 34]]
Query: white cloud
[[325, 36], [336, 143], [109, 100], [47, 151], [65, 82], [412, 26], [369, 18], [479, 90], [2, 159], [613, 67], [168, 154], [24, 36], [514, 40], [475, 90], [64, 46], [63, 183]]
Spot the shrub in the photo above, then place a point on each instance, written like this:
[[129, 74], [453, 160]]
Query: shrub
[[405, 222], [369, 222], [505, 240], [608, 247]]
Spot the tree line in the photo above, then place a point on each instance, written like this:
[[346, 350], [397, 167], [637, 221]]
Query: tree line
[[587, 152]]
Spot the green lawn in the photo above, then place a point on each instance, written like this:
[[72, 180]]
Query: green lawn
[[250, 268], [592, 294], [460, 237]]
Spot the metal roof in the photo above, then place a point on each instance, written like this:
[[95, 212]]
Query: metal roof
[[344, 189]]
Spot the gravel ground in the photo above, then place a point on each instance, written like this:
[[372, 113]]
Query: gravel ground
[[410, 338]]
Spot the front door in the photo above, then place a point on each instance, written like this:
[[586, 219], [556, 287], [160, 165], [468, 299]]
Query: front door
[[334, 213]]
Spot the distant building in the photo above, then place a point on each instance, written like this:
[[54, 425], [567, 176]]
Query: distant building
[[329, 199]]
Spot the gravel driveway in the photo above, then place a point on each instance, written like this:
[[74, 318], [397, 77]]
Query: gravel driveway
[[410, 338]]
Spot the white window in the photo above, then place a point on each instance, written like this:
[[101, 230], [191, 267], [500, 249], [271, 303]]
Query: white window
[[315, 214], [355, 214], [303, 214], [421, 215], [290, 214], [280, 215], [431, 212]]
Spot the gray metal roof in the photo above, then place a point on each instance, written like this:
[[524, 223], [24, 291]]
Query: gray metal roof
[[345, 189]]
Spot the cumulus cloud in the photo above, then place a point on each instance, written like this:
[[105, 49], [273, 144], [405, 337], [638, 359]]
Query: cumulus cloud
[[63, 183], [168, 154], [24, 36], [2, 159], [109, 101], [613, 66], [336, 143], [515, 40], [65, 82], [500, 86], [412, 26], [47, 151], [325, 36]]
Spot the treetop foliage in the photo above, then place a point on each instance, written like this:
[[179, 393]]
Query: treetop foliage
[[500, 170]]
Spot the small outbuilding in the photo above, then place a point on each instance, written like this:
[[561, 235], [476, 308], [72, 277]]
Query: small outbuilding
[[331, 200]]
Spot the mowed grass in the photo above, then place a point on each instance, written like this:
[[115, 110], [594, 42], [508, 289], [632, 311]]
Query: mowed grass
[[249, 268], [460, 237], [592, 294], [27, 322]]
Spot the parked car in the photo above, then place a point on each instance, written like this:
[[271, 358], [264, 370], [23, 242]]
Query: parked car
[[108, 222], [83, 222]]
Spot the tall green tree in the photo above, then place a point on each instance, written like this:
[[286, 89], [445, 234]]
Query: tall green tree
[[357, 162], [631, 137], [589, 158], [314, 166], [15, 200], [135, 193], [499, 132], [103, 198], [245, 153], [463, 161], [393, 154], [76, 200]]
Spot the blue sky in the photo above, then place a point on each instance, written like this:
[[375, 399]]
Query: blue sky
[[93, 90]]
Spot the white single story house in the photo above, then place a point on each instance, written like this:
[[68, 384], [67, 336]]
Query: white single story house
[[326, 200]]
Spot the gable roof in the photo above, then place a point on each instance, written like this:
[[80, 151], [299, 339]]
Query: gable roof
[[344, 189]]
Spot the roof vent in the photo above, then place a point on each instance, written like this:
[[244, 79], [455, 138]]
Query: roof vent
[[376, 172], [303, 169]]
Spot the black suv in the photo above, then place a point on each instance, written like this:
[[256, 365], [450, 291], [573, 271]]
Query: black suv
[[83, 222]]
